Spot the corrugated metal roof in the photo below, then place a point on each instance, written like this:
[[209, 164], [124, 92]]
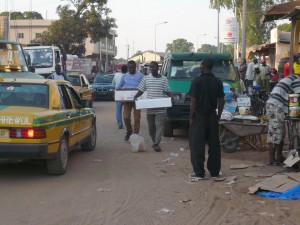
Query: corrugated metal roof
[[278, 11]]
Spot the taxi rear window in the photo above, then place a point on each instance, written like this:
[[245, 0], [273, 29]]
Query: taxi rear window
[[29, 95]]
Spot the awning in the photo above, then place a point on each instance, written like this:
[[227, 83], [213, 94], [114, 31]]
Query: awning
[[278, 11]]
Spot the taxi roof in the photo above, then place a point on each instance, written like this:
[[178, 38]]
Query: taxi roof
[[32, 81]]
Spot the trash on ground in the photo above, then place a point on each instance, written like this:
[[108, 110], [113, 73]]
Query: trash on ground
[[185, 201], [239, 166], [166, 160], [103, 190], [97, 160], [292, 159], [266, 214], [227, 193], [230, 180], [276, 183], [137, 143], [219, 179], [171, 164], [173, 154], [258, 174], [181, 149], [165, 210]]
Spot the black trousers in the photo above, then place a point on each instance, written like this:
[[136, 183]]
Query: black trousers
[[205, 129]]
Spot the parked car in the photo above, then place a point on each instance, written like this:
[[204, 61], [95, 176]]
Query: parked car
[[103, 87], [83, 87], [43, 119]]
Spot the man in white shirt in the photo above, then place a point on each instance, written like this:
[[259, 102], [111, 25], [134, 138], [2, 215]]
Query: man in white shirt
[[119, 105], [250, 74], [57, 75]]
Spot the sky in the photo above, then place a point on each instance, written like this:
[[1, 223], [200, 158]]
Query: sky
[[137, 21]]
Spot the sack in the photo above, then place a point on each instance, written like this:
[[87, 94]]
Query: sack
[[137, 143]]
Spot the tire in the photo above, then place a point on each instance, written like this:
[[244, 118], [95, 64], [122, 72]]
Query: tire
[[168, 129], [229, 146], [58, 165], [92, 139]]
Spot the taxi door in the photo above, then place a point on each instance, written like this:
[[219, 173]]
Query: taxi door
[[86, 89]]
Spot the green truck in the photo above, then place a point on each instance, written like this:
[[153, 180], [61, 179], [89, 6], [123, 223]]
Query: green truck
[[181, 69]]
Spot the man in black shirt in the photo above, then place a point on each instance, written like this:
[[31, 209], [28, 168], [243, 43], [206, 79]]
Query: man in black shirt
[[207, 95]]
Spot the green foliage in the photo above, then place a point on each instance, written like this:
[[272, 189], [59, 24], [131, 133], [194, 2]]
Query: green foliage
[[89, 19], [23, 16], [255, 32], [285, 27], [208, 48], [179, 46]]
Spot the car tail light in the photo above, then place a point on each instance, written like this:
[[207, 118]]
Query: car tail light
[[30, 133]]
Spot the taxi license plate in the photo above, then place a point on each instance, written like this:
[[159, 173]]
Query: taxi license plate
[[4, 133]]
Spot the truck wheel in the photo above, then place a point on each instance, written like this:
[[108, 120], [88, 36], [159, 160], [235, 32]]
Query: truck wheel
[[58, 165], [229, 145], [92, 139], [168, 129]]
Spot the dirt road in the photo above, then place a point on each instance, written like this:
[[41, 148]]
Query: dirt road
[[114, 186]]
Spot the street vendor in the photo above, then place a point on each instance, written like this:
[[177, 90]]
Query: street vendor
[[277, 108]]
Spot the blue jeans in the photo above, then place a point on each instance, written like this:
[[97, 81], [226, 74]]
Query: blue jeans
[[119, 106]]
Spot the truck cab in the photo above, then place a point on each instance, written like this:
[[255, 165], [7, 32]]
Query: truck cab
[[181, 69], [43, 58]]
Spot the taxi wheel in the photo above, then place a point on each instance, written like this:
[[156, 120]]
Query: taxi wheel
[[91, 142], [58, 165]]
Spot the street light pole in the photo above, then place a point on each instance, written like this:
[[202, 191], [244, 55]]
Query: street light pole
[[244, 30], [155, 38]]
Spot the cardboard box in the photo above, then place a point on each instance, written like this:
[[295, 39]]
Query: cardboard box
[[128, 94], [153, 103]]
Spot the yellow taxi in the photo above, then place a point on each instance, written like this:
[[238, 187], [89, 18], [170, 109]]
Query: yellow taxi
[[83, 87], [43, 119]]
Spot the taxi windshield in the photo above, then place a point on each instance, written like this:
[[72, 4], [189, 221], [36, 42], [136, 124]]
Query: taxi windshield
[[75, 80], [29, 95], [12, 58], [39, 57]]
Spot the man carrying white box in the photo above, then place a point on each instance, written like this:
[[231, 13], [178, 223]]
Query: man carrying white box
[[157, 87], [129, 81]]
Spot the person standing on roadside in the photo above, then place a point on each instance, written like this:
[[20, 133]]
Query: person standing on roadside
[[156, 87], [296, 66], [119, 105], [277, 108], [131, 80], [250, 74], [207, 95]]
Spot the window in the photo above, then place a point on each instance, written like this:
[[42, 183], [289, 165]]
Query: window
[[65, 102], [75, 98], [20, 35], [38, 35]]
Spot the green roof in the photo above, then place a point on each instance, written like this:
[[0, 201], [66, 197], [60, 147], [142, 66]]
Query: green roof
[[198, 56]]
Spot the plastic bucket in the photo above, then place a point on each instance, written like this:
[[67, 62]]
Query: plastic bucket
[[294, 111], [244, 110], [294, 100]]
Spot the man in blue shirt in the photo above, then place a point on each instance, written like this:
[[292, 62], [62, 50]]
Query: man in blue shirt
[[131, 80]]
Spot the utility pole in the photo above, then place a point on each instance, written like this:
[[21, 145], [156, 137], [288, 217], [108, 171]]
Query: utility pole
[[100, 59], [244, 30]]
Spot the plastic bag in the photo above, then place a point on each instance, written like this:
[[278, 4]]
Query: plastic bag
[[137, 143]]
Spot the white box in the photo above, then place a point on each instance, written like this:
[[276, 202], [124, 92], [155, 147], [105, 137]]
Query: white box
[[153, 103], [128, 94], [244, 101]]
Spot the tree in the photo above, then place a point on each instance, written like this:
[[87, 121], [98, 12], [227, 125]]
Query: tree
[[208, 48], [89, 19], [256, 33], [22, 16], [285, 27], [179, 46]]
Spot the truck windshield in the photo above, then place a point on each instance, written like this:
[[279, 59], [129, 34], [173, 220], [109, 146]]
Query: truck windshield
[[39, 57], [222, 69], [12, 58]]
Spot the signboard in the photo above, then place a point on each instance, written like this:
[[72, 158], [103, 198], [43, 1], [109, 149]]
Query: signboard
[[229, 30]]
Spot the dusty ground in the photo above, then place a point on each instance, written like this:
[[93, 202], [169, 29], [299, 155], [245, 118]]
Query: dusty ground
[[113, 186]]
